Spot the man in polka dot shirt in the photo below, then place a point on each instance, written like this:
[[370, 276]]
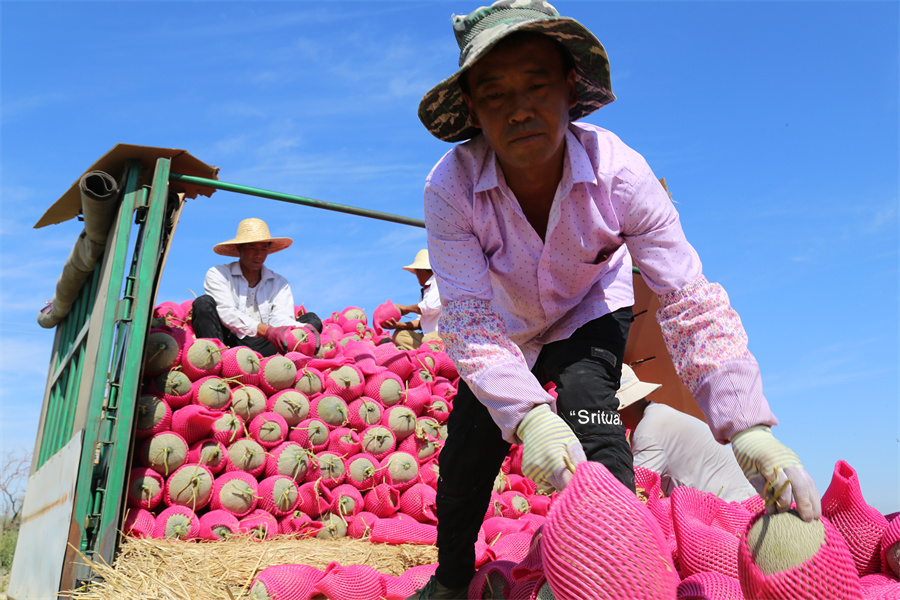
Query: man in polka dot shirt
[[534, 222]]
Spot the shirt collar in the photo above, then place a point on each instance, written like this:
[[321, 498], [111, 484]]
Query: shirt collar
[[235, 269]]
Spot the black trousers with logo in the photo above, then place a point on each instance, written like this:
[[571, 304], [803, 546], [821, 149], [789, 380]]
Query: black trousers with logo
[[586, 369]]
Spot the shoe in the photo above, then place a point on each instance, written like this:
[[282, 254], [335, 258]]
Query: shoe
[[434, 590]]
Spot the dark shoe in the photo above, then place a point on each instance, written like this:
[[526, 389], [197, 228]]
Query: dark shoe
[[434, 590]]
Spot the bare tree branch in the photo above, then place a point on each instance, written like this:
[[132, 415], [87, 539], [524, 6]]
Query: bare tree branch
[[14, 468]]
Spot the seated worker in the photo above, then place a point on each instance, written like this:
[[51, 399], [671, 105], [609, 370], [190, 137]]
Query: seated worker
[[677, 446], [406, 336], [246, 303]]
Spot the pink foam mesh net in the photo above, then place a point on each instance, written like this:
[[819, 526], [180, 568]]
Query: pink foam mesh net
[[278, 495], [145, 488], [880, 586], [707, 530], [194, 422], [360, 526], [496, 526], [890, 546], [343, 441], [513, 546], [212, 392], [404, 585], [514, 504], [176, 522], [269, 429], [295, 462], [291, 404], [287, 582], [139, 523], [403, 530], [157, 359], [149, 421], [246, 455], [259, 524], [829, 573], [353, 582], [167, 386], [190, 485], [300, 525], [233, 368], [350, 386], [347, 500], [308, 433], [523, 590], [364, 411], [419, 502], [239, 498], [861, 525], [302, 340], [211, 453], [315, 498], [710, 586], [363, 353], [228, 429], [213, 365], [328, 467], [395, 361], [217, 525], [531, 567], [597, 525], [540, 504], [362, 471], [310, 380], [274, 372], [493, 580], [417, 397], [382, 500]]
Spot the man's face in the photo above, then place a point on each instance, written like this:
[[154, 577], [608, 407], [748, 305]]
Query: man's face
[[520, 96], [253, 255]]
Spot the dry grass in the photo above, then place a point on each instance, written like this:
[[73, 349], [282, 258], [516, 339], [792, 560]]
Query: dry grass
[[169, 570]]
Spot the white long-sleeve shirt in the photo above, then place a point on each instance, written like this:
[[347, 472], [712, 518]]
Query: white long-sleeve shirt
[[430, 307], [242, 308]]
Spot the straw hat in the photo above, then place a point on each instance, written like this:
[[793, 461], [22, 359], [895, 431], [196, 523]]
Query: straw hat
[[421, 262], [632, 389], [248, 232], [443, 111]]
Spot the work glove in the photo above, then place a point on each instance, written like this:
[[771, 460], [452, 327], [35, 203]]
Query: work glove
[[275, 336], [550, 450], [776, 472]]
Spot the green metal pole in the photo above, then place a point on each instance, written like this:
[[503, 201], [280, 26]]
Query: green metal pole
[[243, 189]]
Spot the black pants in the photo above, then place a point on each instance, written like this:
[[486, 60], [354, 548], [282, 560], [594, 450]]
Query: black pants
[[586, 369], [206, 324]]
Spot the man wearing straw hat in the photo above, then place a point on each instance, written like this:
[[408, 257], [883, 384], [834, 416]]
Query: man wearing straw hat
[[677, 446], [406, 335], [246, 303], [533, 220]]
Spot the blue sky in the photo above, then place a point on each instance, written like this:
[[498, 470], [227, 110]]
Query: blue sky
[[775, 125]]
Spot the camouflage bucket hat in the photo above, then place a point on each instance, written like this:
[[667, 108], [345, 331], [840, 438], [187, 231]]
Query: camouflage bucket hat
[[443, 111]]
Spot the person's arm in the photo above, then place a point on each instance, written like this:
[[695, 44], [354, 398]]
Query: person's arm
[[218, 285], [281, 304]]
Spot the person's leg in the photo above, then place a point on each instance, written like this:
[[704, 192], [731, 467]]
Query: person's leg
[[586, 368], [206, 324], [470, 460], [311, 318]]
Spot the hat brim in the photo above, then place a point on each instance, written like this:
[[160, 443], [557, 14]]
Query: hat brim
[[635, 392], [232, 247], [445, 114]]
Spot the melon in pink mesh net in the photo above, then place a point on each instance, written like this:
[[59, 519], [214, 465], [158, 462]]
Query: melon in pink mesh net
[[344, 442], [259, 525], [190, 485], [514, 504], [420, 376], [397, 362], [363, 471], [417, 397], [880, 586], [364, 412], [385, 387], [890, 548], [300, 525], [598, 526], [209, 452], [363, 355], [164, 452], [492, 580], [327, 467], [218, 525], [315, 498], [248, 401], [202, 357], [400, 470], [494, 527], [145, 488], [360, 525], [174, 387], [278, 495], [861, 525], [304, 340], [330, 408], [241, 364], [782, 556], [310, 433], [378, 440], [139, 523], [246, 455], [194, 422], [269, 429], [401, 420], [353, 582], [710, 586], [276, 373], [212, 392], [286, 582], [290, 459], [346, 381], [235, 492], [419, 502], [291, 404], [403, 530], [347, 501], [309, 381], [334, 527], [540, 504], [404, 585], [420, 445], [176, 523], [162, 350], [228, 428], [428, 472], [383, 313], [383, 500], [438, 408], [153, 416], [707, 530]]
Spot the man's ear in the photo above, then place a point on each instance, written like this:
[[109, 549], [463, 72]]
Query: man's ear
[[473, 116], [573, 89]]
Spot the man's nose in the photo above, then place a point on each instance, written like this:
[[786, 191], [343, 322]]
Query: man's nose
[[520, 108]]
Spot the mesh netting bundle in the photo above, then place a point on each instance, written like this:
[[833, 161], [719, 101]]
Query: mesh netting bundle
[[890, 548], [286, 582], [880, 586], [710, 585], [363, 354], [176, 522], [513, 546], [384, 312], [153, 416], [540, 504], [403, 586], [190, 485], [496, 526], [396, 361], [300, 524], [194, 422], [597, 525], [145, 488], [782, 556], [493, 580], [419, 502], [278, 495], [403, 530], [861, 525], [353, 582], [382, 500], [416, 397], [218, 525], [139, 523], [531, 567]]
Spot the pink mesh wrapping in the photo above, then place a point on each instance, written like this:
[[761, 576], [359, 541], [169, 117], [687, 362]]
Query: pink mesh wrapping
[[417, 397], [378, 440], [401, 420], [218, 525], [154, 363], [860, 524], [299, 359], [354, 582], [710, 586], [347, 501], [514, 504], [220, 496], [162, 520], [139, 496], [348, 390], [444, 366], [754, 504], [889, 544], [139, 523], [513, 546], [437, 407], [259, 524], [497, 526], [194, 422], [363, 412], [171, 313], [420, 376], [231, 367], [343, 441], [403, 530], [300, 525], [333, 480], [519, 483], [443, 388], [193, 371], [649, 491], [309, 380], [532, 565], [422, 447], [384, 312], [419, 503], [406, 470], [515, 459], [228, 436], [364, 355], [209, 452], [880, 586], [301, 340], [382, 500], [830, 573], [493, 580], [339, 417], [301, 434], [598, 526], [269, 429], [194, 495], [281, 366], [533, 521], [240, 450], [287, 582], [286, 500], [403, 586], [376, 386], [163, 424], [315, 498], [370, 465], [395, 361], [174, 400], [523, 590], [296, 470], [291, 404], [427, 470], [540, 504], [707, 530], [360, 526], [201, 393], [158, 461]]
